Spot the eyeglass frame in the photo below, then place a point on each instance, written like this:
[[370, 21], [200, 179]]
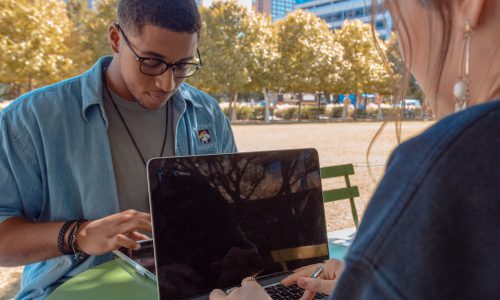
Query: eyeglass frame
[[141, 59]]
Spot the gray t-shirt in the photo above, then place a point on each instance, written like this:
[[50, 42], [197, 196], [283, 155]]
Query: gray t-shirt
[[147, 128]]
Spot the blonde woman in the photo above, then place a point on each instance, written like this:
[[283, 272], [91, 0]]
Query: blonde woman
[[432, 228]]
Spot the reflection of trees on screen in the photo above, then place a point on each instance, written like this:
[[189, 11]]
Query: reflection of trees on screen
[[227, 174], [296, 174], [240, 178]]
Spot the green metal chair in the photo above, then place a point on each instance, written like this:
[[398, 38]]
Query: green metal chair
[[348, 192]]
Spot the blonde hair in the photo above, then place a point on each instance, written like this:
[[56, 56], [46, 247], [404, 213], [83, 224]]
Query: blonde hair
[[400, 83]]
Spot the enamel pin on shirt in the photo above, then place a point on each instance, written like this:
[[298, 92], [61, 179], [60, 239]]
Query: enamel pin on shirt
[[204, 136]]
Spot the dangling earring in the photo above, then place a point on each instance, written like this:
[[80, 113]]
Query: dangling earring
[[461, 90]]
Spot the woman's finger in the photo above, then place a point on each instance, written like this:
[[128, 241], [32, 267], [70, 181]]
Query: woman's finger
[[298, 273], [217, 295], [292, 279], [308, 295], [249, 280], [308, 267], [317, 285], [333, 268]]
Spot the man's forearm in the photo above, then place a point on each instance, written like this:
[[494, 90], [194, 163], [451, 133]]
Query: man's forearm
[[23, 242]]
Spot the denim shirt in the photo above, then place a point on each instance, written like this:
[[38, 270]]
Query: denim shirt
[[55, 160], [432, 228]]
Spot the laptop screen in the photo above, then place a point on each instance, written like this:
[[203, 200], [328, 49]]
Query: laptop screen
[[220, 218]]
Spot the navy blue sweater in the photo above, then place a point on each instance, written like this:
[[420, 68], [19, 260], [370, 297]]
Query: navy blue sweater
[[432, 229]]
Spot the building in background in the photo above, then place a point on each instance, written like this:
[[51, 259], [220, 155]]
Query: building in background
[[334, 12], [277, 9]]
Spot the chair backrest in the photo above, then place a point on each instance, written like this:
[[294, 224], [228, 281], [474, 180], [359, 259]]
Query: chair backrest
[[347, 192], [284, 255]]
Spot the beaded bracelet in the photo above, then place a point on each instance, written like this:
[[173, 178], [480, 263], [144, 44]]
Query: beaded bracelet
[[79, 254], [60, 237]]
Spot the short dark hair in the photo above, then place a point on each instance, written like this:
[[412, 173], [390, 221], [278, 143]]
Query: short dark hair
[[174, 15]]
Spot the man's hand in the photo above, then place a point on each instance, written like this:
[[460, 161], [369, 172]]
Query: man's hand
[[323, 284], [24, 242], [112, 232]]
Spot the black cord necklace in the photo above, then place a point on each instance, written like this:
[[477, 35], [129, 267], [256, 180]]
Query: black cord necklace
[[125, 124]]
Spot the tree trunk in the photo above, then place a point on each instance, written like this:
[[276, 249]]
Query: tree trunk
[[230, 108], [355, 104], [379, 112], [234, 115], [233, 98], [345, 107], [299, 116], [266, 112], [16, 90]]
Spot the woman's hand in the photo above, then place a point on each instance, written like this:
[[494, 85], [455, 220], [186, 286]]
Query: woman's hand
[[250, 290], [325, 283], [110, 233]]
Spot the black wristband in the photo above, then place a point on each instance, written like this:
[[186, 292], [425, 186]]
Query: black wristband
[[71, 236], [79, 254], [60, 237]]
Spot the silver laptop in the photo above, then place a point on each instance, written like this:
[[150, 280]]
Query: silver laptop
[[220, 218]]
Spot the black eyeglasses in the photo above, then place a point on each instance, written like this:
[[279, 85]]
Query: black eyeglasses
[[154, 66]]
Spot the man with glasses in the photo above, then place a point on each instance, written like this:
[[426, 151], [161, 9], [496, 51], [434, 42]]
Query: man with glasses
[[73, 155]]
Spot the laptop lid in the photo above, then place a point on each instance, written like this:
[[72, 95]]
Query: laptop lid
[[220, 218]]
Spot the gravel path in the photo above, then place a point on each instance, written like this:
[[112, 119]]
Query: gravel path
[[337, 143]]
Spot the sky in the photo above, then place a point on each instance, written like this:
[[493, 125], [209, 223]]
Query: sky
[[246, 3]]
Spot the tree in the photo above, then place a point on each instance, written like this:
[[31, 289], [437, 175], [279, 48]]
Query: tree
[[329, 64], [90, 31], [262, 62], [394, 56], [307, 49], [362, 69], [226, 49], [33, 39], [4, 90]]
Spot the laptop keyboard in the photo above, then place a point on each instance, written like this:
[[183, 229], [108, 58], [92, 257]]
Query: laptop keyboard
[[293, 292]]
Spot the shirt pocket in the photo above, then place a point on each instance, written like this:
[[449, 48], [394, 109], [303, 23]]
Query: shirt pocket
[[205, 139]]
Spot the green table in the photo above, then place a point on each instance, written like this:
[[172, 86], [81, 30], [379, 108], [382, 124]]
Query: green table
[[118, 280], [111, 280]]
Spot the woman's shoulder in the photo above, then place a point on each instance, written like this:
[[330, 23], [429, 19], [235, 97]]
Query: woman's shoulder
[[475, 122], [457, 155], [439, 194], [454, 144]]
